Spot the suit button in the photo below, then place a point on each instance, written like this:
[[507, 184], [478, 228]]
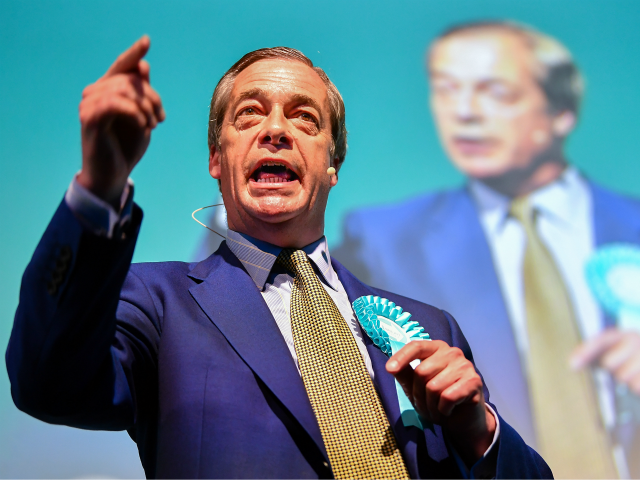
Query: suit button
[[64, 257], [325, 464], [60, 270]]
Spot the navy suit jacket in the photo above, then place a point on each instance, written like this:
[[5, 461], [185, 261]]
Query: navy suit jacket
[[433, 248], [188, 359]]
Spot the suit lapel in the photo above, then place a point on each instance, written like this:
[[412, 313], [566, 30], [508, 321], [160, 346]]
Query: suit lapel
[[385, 384], [462, 279], [383, 380], [615, 220], [233, 303]]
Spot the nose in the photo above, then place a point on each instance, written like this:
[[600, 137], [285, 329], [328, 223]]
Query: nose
[[466, 106], [275, 132]]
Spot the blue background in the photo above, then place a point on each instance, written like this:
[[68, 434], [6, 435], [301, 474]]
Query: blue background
[[373, 51]]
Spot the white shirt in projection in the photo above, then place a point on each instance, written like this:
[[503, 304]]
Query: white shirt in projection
[[565, 225]]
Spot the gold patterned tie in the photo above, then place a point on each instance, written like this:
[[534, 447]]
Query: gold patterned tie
[[354, 426], [571, 437]]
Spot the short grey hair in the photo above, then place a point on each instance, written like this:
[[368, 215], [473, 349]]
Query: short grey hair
[[557, 73], [222, 93]]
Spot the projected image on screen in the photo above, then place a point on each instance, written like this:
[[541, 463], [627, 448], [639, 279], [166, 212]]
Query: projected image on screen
[[506, 253], [492, 171]]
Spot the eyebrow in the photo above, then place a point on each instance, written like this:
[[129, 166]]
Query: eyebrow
[[302, 99], [297, 98], [253, 93], [434, 74]]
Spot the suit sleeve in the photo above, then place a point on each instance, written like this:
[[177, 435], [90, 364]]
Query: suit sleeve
[[78, 355], [511, 457]]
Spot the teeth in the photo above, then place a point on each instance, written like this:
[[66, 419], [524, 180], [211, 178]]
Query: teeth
[[270, 177], [272, 180]]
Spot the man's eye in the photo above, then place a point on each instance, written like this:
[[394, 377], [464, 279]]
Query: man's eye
[[443, 87], [307, 117], [248, 111], [502, 92]]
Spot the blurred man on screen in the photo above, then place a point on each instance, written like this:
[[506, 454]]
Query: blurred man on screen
[[250, 363], [506, 253]]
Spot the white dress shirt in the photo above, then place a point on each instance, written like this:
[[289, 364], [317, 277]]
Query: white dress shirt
[[564, 222], [274, 283]]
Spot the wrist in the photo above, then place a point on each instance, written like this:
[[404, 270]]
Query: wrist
[[110, 192], [472, 442]]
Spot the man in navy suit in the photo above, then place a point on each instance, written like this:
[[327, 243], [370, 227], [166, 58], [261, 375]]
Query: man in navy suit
[[504, 98], [197, 361]]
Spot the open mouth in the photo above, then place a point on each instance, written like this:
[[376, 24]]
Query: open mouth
[[273, 172], [474, 145]]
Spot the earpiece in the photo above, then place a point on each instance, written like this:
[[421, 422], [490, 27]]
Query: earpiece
[[331, 171]]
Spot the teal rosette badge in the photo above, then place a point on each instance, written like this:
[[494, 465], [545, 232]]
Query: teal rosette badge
[[613, 274], [390, 329]]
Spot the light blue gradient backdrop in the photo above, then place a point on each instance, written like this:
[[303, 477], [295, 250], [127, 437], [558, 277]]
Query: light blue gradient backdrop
[[373, 51]]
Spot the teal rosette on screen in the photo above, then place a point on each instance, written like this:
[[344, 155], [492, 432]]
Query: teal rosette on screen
[[613, 274], [390, 328]]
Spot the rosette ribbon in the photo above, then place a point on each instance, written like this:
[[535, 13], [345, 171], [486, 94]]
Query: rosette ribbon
[[613, 274], [390, 329]]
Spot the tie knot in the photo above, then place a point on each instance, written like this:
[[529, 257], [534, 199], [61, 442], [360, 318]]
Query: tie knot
[[521, 210], [290, 258]]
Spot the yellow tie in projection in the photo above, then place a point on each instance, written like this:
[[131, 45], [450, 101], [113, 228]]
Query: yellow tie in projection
[[571, 437], [354, 426]]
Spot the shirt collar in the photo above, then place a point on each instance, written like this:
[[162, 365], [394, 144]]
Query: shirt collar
[[556, 200], [493, 207], [259, 257]]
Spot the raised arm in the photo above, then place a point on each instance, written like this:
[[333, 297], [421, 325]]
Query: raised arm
[[78, 355]]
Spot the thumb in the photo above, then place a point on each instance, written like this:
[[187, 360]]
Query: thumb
[[405, 378], [590, 351]]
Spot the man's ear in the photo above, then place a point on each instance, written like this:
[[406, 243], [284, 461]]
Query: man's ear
[[563, 123], [215, 170]]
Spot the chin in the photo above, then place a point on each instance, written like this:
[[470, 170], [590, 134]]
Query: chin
[[275, 210], [481, 168]]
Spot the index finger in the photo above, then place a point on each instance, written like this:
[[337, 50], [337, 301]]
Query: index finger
[[128, 60], [416, 350], [594, 348]]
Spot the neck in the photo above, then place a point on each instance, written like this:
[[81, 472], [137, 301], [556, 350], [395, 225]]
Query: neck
[[521, 182], [287, 234]]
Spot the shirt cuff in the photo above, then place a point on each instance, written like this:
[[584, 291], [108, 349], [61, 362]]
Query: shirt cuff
[[488, 470], [97, 215]]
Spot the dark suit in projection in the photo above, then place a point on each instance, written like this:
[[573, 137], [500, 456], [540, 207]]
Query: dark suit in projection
[[433, 248]]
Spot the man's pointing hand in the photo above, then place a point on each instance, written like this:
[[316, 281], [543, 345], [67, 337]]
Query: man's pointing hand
[[117, 114]]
